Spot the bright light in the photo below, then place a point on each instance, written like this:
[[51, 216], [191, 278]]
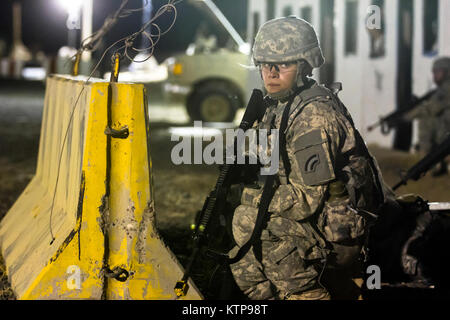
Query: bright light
[[34, 73], [194, 132], [245, 48], [72, 6]]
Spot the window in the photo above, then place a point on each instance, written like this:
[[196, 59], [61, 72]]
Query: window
[[287, 11], [306, 13], [270, 7], [431, 27], [376, 29], [351, 19]]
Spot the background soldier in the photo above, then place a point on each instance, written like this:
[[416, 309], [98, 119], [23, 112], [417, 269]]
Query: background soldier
[[434, 113], [327, 187]]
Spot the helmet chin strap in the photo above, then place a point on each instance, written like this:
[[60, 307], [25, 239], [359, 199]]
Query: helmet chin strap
[[281, 95], [299, 81]]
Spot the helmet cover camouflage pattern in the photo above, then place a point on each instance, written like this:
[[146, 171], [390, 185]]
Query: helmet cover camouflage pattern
[[285, 40]]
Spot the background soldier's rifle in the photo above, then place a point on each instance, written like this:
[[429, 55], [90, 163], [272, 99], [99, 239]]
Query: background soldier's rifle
[[215, 202], [430, 160], [393, 119]]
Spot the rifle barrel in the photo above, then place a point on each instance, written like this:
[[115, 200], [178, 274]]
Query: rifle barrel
[[375, 125], [439, 206], [415, 172], [393, 116]]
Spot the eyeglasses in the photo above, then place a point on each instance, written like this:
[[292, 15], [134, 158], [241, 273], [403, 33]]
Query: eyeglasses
[[279, 67]]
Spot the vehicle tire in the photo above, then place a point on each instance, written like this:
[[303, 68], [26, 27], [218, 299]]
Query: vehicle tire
[[214, 101]]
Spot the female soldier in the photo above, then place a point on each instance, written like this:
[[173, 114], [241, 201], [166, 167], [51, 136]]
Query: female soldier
[[327, 185]]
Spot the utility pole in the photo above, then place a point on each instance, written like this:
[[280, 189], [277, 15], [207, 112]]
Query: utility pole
[[18, 52], [73, 23], [86, 31]]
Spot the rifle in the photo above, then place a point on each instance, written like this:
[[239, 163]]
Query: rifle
[[431, 159], [393, 119], [213, 205]]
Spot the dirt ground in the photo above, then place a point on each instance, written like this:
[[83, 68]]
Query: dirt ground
[[179, 190]]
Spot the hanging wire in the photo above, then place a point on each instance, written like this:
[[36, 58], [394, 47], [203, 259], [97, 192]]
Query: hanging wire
[[92, 42], [153, 38], [128, 41]]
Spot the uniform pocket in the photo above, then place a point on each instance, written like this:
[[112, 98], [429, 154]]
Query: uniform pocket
[[251, 197], [277, 251], [283, 199], [244, 219], [340, 223]]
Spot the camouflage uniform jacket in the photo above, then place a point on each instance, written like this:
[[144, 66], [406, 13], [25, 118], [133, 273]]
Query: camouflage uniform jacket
[[435, 115], [438, 104], [323, 147]]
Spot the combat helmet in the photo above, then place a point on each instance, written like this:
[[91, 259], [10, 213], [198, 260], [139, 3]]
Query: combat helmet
[[442, 63], [285, 40]]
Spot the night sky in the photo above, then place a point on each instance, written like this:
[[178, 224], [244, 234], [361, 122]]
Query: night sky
[[44, 23]]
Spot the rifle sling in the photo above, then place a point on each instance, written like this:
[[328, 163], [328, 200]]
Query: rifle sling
[[268, 191]]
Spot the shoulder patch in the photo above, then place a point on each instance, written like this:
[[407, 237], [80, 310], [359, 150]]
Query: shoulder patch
[[313, 158]]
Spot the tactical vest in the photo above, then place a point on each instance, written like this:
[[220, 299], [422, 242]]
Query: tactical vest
[[360, 176]]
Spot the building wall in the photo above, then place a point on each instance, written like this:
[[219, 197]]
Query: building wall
[[370, 84], [444, 36], [423, 80], [423, 62]]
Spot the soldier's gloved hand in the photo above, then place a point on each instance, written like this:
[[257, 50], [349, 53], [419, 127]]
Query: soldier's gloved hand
[[396, 121], [414, 100], [244, 173], [412, 204], [390, 123]]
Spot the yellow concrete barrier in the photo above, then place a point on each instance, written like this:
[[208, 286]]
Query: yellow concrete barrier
[[93, 236]]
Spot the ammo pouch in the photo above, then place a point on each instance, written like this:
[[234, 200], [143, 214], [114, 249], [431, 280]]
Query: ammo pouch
[[344, 227], [244, 217], [251, 196], [283, 202], [340, 223], [352, 206], [282, 224]]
